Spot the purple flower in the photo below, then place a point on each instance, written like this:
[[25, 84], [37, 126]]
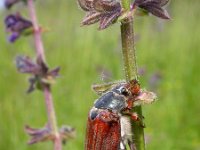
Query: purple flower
[[41, 74], [154, 7], [26, 65], [10, 3], [104, 12], [17, 26], [45, 134], [39, 135], [14, 37]]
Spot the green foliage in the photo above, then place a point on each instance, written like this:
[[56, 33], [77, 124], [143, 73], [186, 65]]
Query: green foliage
[[172, 122]]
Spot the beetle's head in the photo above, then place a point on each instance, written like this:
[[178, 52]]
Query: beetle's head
[[139, 96], [127, 89]]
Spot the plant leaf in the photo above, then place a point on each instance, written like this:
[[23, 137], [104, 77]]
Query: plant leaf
[[108, 20], [91, 18], [154, 7], [158, 11], [162, 2]]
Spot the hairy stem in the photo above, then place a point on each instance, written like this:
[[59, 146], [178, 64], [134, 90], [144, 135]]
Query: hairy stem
[[37, 32], [52, 123], [50, 109], [130, 67]]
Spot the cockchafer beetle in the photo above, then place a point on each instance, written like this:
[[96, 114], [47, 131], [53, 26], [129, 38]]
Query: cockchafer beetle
[[108, 126]]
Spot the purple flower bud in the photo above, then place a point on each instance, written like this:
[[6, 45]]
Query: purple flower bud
[[54, 72], [102, 11], [39, 135], [10, 3], [45, 134], [32, 83], [16, 25], [13, 37], [10, 21], [155, 7], [26, 65]]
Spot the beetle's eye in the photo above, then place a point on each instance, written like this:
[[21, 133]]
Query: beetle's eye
[[124, 92]]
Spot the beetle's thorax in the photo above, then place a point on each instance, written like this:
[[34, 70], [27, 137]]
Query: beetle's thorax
[[112, 100]]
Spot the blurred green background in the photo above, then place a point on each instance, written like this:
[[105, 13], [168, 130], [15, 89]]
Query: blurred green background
[[167, 53]]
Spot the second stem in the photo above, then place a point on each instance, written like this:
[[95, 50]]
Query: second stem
[[52, 123]]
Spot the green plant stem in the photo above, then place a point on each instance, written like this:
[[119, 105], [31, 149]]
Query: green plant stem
[[52, 123], [130, 68]]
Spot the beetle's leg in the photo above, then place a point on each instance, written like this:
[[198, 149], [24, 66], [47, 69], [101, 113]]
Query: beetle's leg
[[130, 104], [134, 117], [122, 145], [132, 145]]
